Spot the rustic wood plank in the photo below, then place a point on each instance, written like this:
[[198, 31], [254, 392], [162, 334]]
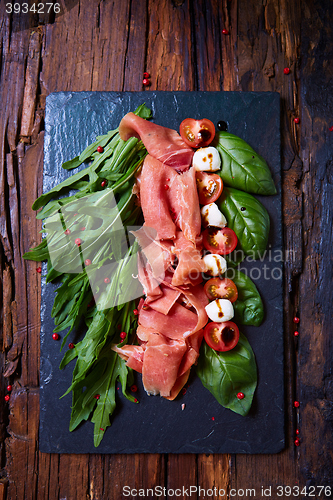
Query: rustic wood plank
[[214, 473], [31, 82], [169, 50], [315, 309], [181, 45], [73, 477], [268, 41], [177, 480], [21, 446]]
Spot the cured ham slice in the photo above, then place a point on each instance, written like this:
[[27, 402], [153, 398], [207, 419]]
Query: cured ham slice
[[190, 263], [162, 143], [162, 359], [132, 354], [164, 303], [186, 205], [154, 202], [169, 200], [173, 325]]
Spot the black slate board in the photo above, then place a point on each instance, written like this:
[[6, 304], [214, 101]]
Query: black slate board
[[155, 425]]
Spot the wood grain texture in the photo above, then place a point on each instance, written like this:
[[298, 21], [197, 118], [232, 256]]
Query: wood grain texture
[[97, 45]]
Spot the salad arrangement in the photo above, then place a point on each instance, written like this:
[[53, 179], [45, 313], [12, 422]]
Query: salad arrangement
[[82, 241]]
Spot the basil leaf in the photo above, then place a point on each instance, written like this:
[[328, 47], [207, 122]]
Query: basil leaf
[[248, 218], [225, 374], [242, 167], [248, 308]]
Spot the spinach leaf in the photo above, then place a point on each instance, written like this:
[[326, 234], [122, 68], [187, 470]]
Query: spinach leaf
[[248, 218], [248, 308], [225, 374], [242, 167]]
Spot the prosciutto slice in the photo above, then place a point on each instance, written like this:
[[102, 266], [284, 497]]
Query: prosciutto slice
[[162, 359], [190, 263], [162, 143]]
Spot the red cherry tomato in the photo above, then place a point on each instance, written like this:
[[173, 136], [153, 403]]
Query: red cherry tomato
[[217, 288], [210, 187], [197, 133], [221, 336], [220, 241]]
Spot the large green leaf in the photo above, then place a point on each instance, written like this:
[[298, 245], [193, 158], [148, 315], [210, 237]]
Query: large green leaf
[[225, 374], [242, 167], [248, 218], [248, 308]]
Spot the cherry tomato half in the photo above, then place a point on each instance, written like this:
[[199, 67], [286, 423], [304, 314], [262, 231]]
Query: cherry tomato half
[[220, 241], [221, 336], [210, 187], [197, 133], [217, 288]]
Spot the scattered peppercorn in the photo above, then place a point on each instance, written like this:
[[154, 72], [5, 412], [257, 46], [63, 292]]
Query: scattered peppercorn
[[97, 396], [106, 280], [55, 336], [100, 149], [134, 388], [225, 32], [296, 442], [9, 388], [240, 395], [135, 312], [146, 75], [123, 335], [296, 404], [296, 333], [286, 71], [71, 345], [78, 242], [103, 184], [146, 82], [67, 231], [296, 319], [87, 262], [222, 126], [7, 397], [296, 120], [38, 270]]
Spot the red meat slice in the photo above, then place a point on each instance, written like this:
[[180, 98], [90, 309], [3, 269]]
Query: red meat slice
[[153, 197], [162, 143], [174, 325], [162, 359], [190, 263]]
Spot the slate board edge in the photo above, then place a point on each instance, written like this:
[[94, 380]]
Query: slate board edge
[[144, 95]]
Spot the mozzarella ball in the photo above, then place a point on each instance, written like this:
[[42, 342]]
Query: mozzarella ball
[[207, 159], [216, 264], [212, 216], [220, 310]]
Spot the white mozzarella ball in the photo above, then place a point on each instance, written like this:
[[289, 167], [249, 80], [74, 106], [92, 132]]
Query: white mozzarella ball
[[207, 159], [212, 216], [220, 310], [216, 264]]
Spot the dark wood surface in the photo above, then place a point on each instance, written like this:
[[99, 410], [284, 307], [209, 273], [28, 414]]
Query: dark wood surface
[[106, 45]]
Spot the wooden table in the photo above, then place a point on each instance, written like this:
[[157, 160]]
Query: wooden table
[[107, 45]]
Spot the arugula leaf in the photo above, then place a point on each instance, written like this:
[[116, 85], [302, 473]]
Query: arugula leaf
[[225, 374], [248, 218], [106, 403], [242, 167], [248, 308]]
